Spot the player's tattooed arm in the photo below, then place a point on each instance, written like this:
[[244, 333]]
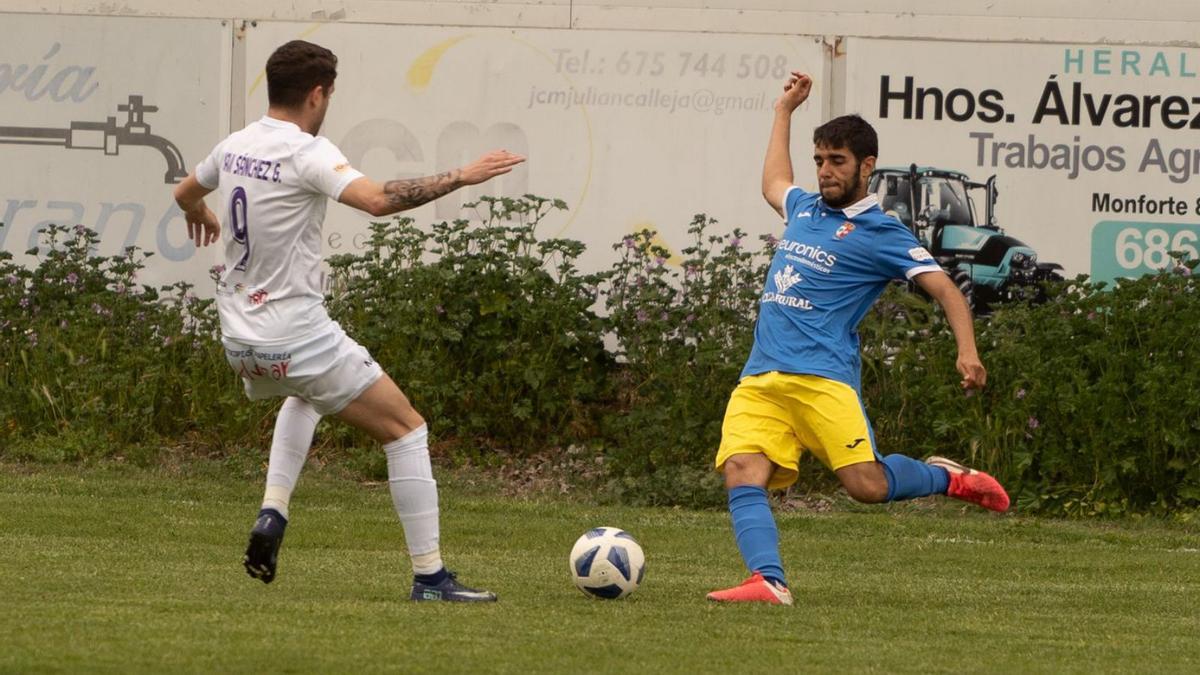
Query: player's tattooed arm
[[399, 195], [410, 193]]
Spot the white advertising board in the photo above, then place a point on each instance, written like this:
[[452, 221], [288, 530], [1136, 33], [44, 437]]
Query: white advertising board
[[98, 136], [632, 129], [1096, 149]]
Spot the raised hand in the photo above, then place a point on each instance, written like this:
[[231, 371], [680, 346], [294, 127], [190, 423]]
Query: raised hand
[[795, 92]]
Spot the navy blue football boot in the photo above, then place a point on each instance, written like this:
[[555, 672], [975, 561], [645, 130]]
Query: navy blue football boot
[[443, 586], [263, 551]]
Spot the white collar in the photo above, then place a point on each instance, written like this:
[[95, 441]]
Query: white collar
[[278, 123], [860, 206]]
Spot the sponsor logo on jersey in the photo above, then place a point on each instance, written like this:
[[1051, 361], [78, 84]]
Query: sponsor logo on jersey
[[804, 214], [258, 297], [786, 278], [813, 257], [787, 300], [846, 228], [342, 167], [919, 254]]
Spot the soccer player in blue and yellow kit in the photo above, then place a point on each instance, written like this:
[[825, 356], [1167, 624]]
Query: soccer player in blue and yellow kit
[[800, 388]]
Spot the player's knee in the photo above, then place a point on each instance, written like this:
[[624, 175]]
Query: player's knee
[[747, 469]]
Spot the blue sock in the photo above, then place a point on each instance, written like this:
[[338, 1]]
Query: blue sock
[[907, 478], [755, 531], [432, 579]]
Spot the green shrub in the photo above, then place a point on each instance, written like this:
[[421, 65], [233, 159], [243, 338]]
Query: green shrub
[[487, 329], [1090, 407], [682, 335], [88, 353], [1091, 402]]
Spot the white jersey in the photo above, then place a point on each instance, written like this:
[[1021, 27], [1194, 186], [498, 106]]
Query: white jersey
[[273, 180]]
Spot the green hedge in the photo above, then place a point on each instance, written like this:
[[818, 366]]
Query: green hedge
[[515, 355]]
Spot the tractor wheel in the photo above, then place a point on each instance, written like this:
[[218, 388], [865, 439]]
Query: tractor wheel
[[962, 278]]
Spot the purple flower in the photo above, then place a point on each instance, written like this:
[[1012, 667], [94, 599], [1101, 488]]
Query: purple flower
[[629, 242], [772, 240], [1091, 316], [32, 336], [62, 324], [1183, 270], [167, 341], [97, 308], [72, 278], [1020, 394], [141, 316], [659, 261], [120, 288], [641, 316], [662, 317], [24, 301], [12, 279], [689, 318], [1034, 423], [736, 242], [80, 229]]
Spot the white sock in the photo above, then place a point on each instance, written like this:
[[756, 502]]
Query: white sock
[[289, 449], [414, 494]]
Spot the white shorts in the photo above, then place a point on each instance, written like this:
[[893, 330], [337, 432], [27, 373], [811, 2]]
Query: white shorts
[[328, 370]]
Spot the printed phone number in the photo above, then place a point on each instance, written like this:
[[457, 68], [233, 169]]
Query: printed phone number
[[642, 63]]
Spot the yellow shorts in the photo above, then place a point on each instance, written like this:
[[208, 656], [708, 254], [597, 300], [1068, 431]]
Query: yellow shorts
[[781, 415]]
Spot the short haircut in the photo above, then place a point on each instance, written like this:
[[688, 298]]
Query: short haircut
[[851, 132], [295, 68]]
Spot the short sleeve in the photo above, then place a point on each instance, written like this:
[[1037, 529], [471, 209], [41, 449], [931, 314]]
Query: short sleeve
[[898, 254], [208, 171], [791, 199], [324, 169]]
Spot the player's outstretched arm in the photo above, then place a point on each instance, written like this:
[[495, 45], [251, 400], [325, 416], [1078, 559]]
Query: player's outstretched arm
[[203, 228], [939, 286], [400, 195], [777, 167]]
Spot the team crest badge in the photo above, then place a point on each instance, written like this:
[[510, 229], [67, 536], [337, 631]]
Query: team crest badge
[[846, 228]]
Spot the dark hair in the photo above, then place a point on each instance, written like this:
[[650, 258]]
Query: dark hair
[[851, 132], [294, 69]]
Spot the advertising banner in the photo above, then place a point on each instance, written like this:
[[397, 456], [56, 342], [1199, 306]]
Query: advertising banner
[[632, 129], [100, 136], [1095, 149]]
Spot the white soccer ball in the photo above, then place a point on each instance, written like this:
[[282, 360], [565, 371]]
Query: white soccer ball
[[607, 562]]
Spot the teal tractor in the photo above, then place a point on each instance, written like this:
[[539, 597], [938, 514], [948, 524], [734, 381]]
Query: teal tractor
[[938, 205]]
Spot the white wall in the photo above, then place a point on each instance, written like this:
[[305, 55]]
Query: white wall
[[1163, 22]]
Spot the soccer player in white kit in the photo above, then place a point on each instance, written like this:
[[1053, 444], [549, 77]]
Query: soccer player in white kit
[[273, 180]]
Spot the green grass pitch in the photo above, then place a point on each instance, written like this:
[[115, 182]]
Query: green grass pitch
[[120, 569]]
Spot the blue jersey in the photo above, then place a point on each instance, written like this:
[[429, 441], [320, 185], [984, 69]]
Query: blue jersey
[[830, 267]]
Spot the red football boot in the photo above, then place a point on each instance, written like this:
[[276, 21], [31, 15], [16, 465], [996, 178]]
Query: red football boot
[[972, 486], [754, 589]]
